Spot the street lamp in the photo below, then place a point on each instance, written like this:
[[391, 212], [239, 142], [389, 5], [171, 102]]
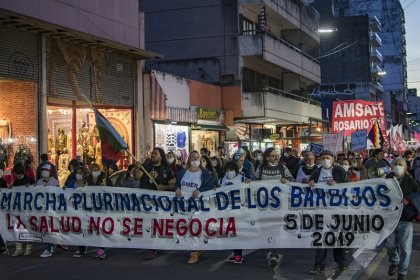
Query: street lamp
[[327, 30]]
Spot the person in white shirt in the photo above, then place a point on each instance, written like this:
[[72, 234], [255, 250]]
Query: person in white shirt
[[330, 174], [190, 182], [306, 170], [233, 177]]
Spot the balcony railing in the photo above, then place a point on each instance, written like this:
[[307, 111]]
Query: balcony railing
[[292, 96], [376, 56], [375, 24], [296, 12], [272, 104], [375, 40]]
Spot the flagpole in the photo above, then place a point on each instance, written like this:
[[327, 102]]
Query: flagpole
[[127, 150], [141, 167]]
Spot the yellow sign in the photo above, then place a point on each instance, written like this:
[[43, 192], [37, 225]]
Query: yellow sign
[[207, 114]]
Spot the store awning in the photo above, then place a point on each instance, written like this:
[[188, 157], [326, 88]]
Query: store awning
[[30, 24], [212, 127]]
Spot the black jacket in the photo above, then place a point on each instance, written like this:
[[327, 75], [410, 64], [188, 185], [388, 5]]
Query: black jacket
[[338, 173], [408, 185]]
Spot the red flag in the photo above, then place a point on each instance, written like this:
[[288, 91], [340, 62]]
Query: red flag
[[400, 144], [416, 137]]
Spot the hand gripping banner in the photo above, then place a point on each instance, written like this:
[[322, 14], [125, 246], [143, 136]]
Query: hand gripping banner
[[262, 214]]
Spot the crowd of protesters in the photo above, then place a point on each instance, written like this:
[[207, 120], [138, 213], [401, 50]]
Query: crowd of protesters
[[203, 171]]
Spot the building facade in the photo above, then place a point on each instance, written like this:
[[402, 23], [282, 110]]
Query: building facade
[[56, 59], [390, 56], [258, 52]]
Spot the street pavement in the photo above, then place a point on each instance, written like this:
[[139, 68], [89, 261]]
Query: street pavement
[[127, 264]]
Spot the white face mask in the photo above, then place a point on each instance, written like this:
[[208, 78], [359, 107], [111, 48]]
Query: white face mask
[[1, 173], [214, 163], [286, 154], [274, 163], [195, 163], [326, 163], [96, 174], [171, 160], [398, 170], [45, 174], [310, 165], [79, 177], [230, 174], [346, 167]]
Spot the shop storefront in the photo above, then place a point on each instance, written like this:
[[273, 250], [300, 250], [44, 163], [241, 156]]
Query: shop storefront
[[209, 130], [173, 137], [105, 79], [19, 76]]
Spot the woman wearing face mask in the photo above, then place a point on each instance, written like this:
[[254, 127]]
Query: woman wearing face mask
[[352, 176], [46, 178], [206, 163], [306, 170], [80, 181], [173, 163], [258, 155], [130, 181], [21, 180], [216, 162], [190, 182], [97, 178], [73, 164], [233, 177]]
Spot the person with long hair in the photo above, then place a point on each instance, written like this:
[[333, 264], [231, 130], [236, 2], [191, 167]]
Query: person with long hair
[[190, 182], [159, 170], [216, 162], [161, 179], [206, 163], [175, 166]]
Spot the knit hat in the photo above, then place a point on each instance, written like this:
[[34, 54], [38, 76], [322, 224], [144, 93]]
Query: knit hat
[[326, 153], [238, 154]]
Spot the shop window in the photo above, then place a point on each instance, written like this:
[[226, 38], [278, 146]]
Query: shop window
[[174, 138], [205, 139], [18, 123], [85, 140]]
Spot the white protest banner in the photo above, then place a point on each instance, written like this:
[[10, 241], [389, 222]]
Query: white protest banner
[[358, 140], [329, 141], [262, 214]]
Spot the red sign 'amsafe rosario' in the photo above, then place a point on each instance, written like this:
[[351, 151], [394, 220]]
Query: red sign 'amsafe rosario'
[[352, 115]]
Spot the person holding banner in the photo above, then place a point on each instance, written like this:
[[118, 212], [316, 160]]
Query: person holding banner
[[98, 178], [399, 243], [190, 182], [233, 177], [162, 178], [306, 170], [22, 180], [329, 174], [272, 169]]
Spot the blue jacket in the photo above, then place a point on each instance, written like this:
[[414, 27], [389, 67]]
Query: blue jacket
[[206, 180]]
